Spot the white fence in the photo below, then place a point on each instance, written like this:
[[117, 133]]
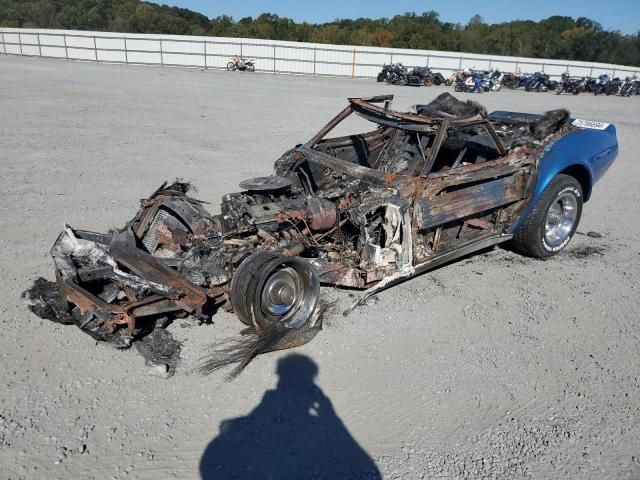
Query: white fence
[[270, 56]]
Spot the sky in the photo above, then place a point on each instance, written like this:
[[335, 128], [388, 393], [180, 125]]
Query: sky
[[623, 15]]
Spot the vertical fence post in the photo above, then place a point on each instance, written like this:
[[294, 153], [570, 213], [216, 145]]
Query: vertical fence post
[[315, 56], [39, 46], [95, 48], [274, 58], [161, 56], [205, 54], [66, 50], [20, 42], [428, 59], [591, 73], [353, 64], [460, 64], [4, 45], [240, 49], [391, 58], [613, 74], [543, 68], [126, 55], [517, 66]]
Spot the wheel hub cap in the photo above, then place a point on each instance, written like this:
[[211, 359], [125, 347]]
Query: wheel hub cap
[[560, 219], [281, 291]]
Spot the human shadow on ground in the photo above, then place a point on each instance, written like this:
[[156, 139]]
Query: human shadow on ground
[[294, 433]]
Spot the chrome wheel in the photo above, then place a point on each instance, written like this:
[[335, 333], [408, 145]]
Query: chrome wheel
[[280, 291], [273, 292], [560, 219], [290, 294]]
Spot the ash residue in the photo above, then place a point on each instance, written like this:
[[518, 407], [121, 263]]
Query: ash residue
[[586, 251], [43, 298], [160, 348], [447, 103], [550, 123], [513, 259]]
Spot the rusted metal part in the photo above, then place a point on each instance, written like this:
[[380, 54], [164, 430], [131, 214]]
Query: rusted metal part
[[343, 277], [330, 126], [125, 251], [408, 121], [501, 148], [87, 302], [322, 214], [449, 206], [425, 168], [294, 250]]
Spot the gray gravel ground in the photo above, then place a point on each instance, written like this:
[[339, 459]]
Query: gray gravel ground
[[497, 366]]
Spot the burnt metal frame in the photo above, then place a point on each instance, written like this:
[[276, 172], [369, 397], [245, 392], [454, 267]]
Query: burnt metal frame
[[420, 123]]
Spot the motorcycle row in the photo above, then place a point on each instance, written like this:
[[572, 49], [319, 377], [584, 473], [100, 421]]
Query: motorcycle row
[[478, 81]]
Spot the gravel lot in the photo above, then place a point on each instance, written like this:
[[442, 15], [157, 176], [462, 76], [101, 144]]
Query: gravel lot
[[497, 366]]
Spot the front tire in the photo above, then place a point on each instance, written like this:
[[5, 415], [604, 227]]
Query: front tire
[[275, 293], [231, 66], [554, 219]]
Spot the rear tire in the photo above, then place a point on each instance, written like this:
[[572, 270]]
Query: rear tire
[[554, 219], [231, 66]]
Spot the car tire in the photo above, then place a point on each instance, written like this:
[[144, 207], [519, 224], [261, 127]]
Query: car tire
[[553, 220], [274, 292]]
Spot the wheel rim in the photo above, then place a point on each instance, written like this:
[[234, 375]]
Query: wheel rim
[[560, 220], [290, 295]]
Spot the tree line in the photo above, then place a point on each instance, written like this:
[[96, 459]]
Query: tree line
[[556, 37]]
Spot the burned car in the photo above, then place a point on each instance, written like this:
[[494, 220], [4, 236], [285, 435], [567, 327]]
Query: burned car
[[362, 211]]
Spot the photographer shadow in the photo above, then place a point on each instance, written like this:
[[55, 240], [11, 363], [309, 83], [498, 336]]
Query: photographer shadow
[[294, 433]]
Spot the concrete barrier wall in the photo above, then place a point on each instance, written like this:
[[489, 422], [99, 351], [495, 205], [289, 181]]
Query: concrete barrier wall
[[270, 55]]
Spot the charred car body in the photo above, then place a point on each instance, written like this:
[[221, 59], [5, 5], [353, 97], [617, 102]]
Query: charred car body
[[362, 211]]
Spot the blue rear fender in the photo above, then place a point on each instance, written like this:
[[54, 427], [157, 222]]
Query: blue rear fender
[[585, 154]]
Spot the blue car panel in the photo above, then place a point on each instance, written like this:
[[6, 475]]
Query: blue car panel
[[587, 151]]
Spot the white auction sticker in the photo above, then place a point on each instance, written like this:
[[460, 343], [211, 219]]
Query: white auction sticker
[[589, 124]]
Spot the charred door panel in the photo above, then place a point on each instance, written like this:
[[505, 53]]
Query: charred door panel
[[467, 201], [465, 204]]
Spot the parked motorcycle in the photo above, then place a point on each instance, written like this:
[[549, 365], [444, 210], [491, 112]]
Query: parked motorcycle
[[571, 85], [397, 74], [451, 79], [512, 80], [423, 76], [384, 74], [419, 76], [494, 80], [613, 86], [601, 84], [629, 87], [474, 83], [241, 64], [539, 82]]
